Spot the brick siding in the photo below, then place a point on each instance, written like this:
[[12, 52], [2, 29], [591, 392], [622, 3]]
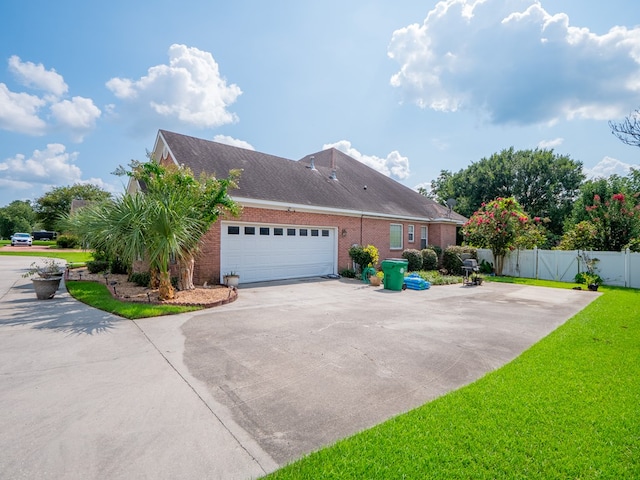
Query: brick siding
[[349, 231]]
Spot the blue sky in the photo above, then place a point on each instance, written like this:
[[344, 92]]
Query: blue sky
[[408, 87]]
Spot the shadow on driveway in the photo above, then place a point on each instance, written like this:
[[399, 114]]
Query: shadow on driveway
[[61, 313]]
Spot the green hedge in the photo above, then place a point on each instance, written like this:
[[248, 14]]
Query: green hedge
[[429, 259], [452, 258]]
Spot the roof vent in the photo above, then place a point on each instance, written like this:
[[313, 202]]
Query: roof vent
[[313, 164], [333, 175]]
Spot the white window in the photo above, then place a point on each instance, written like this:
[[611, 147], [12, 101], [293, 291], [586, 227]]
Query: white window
[[424, 239], [395, 236], [410, 233]]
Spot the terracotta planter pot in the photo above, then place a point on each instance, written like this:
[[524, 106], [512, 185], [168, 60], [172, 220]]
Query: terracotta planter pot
[[375, 281], [46, 288]]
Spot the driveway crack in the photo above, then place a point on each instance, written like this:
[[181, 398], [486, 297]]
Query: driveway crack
[[207, 406]]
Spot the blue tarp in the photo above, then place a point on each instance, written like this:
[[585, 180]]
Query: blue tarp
[[416, 282]]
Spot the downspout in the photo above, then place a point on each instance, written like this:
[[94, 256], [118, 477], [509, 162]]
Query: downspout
[[361, 227]]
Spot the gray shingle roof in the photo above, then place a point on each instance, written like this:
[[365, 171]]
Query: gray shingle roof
[[271, 178]]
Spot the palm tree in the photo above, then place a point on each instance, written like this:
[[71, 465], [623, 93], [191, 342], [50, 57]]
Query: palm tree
[[166, 221], [184, 209]]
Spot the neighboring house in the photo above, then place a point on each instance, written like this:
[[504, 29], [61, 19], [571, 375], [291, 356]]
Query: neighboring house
[[300, 218]]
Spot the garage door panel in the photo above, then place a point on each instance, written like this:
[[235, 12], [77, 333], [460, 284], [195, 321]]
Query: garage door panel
[[272, 257]]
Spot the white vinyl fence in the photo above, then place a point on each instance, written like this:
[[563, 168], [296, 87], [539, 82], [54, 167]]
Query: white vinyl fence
[[621, 269]]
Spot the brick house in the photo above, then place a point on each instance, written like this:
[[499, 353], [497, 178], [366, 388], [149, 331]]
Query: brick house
[[300, 218]]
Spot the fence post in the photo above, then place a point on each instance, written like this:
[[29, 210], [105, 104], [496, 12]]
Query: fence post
[[535, 259], [627, 268]]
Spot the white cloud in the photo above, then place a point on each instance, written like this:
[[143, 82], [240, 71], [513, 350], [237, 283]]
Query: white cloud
[[19, 112], [394, 165], [234, 142], [22, 112], [546, 144], [609, 166], [36, 76], [78, 115], [189, 89], [424, 185], [508, 60], [50, 166]]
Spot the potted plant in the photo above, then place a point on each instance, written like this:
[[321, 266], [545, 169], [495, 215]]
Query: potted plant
[[376, 279], [231, 279], [590, 277], [592, 280], [46, 283]]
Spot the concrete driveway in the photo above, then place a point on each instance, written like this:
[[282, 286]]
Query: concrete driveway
[[236, 391]]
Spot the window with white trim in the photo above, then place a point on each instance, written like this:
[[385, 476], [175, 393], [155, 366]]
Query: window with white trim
[[424, 239], [395, 236], [410, 233]]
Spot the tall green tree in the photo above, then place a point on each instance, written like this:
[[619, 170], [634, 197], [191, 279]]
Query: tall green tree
[[18, 216], [543, 183], [56, 203]]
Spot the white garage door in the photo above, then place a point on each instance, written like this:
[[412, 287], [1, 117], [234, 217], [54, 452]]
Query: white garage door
[[260, 252]]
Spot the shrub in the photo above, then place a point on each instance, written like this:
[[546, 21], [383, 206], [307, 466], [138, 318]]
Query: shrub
[[67, 241], [364, 256], [588, 278], [117, 267], [348, 273], [142, 279], [633, 245], [436, 278], [452, 258], [97, 266], [429, 259], [415, 259], [486, 267], [438, 250]]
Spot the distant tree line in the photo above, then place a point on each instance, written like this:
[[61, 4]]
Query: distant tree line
[[46, 211], [571, 211]]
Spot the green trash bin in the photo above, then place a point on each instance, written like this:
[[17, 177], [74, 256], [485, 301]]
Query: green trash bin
[[394, 270]]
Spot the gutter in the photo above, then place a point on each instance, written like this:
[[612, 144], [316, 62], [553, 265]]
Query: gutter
[[252, 202]]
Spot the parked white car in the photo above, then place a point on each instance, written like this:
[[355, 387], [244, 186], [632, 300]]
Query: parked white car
[[21, 239]]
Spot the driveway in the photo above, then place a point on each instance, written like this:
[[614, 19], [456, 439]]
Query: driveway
[[236, 391]]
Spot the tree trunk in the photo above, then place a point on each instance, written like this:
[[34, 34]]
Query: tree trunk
[[154, 282], [185, 275], [165, 290], [499, 260]]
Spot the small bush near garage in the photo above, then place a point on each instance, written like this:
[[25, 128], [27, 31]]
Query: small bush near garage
[[452, 258], [67, 241], [97, 266], [142, 279], [438, 250], [414, 257], [117, 266], [348, 273], [429, 259], [364, 256]]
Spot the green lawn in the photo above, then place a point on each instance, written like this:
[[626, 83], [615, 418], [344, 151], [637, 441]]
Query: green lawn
[[97, 295], [73, 256], [569, 407]]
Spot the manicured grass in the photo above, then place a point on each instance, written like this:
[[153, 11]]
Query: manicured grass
[[97, 295], [533, 281], [569, 407], [75, 257]]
